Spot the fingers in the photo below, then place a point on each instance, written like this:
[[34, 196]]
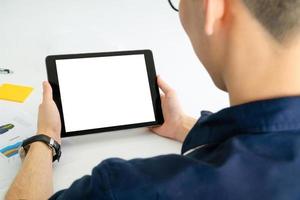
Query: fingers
[[163, 85], [47, 91], [153, 129]]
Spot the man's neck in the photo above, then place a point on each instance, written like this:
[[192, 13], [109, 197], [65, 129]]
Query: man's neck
[[263, 72]]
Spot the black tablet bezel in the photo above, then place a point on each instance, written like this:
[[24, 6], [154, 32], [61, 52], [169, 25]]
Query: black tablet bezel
[[53, 80]]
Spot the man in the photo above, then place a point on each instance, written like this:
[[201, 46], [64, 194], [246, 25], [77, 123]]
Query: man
[[251, 150]]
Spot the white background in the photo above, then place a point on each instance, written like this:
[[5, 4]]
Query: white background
[[30, 30], [105, 91]]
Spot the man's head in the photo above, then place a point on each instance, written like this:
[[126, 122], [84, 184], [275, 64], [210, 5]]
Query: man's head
[[225, 32], [279, 17]]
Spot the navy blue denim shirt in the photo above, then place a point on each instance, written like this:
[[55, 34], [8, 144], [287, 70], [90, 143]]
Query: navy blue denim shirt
[[251, 151]]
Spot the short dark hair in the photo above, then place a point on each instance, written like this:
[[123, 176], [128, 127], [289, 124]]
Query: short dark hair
[[279, 17]]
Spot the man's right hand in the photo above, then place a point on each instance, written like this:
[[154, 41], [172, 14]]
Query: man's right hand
[[177, 124]]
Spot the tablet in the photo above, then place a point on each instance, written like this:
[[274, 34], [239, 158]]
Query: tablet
[[98, 92]]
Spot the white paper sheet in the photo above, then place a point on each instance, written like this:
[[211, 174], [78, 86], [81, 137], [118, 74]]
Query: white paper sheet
[[21, 127]]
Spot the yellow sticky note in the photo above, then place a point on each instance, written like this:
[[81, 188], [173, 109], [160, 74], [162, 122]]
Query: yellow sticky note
[[15, 93]]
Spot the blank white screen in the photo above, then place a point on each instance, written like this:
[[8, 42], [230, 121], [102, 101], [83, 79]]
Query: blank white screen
[[104, 91]]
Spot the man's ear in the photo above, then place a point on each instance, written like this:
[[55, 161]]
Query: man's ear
[[214, 11]]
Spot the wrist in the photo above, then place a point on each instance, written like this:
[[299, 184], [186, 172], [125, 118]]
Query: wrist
[[186, 124], [41, 148], [51, 134], [41, 143]]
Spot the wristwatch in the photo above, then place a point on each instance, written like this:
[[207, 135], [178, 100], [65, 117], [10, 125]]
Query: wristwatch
[[53, 145]]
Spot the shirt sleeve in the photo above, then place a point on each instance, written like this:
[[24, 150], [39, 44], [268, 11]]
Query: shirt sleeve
[[193, 140], [116, 178], [87, 187]]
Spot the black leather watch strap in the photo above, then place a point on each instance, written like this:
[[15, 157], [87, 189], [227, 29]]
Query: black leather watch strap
[[47, 140]]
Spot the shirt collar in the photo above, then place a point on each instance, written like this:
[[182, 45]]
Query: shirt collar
[[258, 117]]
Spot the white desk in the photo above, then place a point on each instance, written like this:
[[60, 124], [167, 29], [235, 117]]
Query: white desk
[[30, 30]]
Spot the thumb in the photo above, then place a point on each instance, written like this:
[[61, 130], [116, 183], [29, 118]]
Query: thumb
[[47, 91], [164, 86]]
